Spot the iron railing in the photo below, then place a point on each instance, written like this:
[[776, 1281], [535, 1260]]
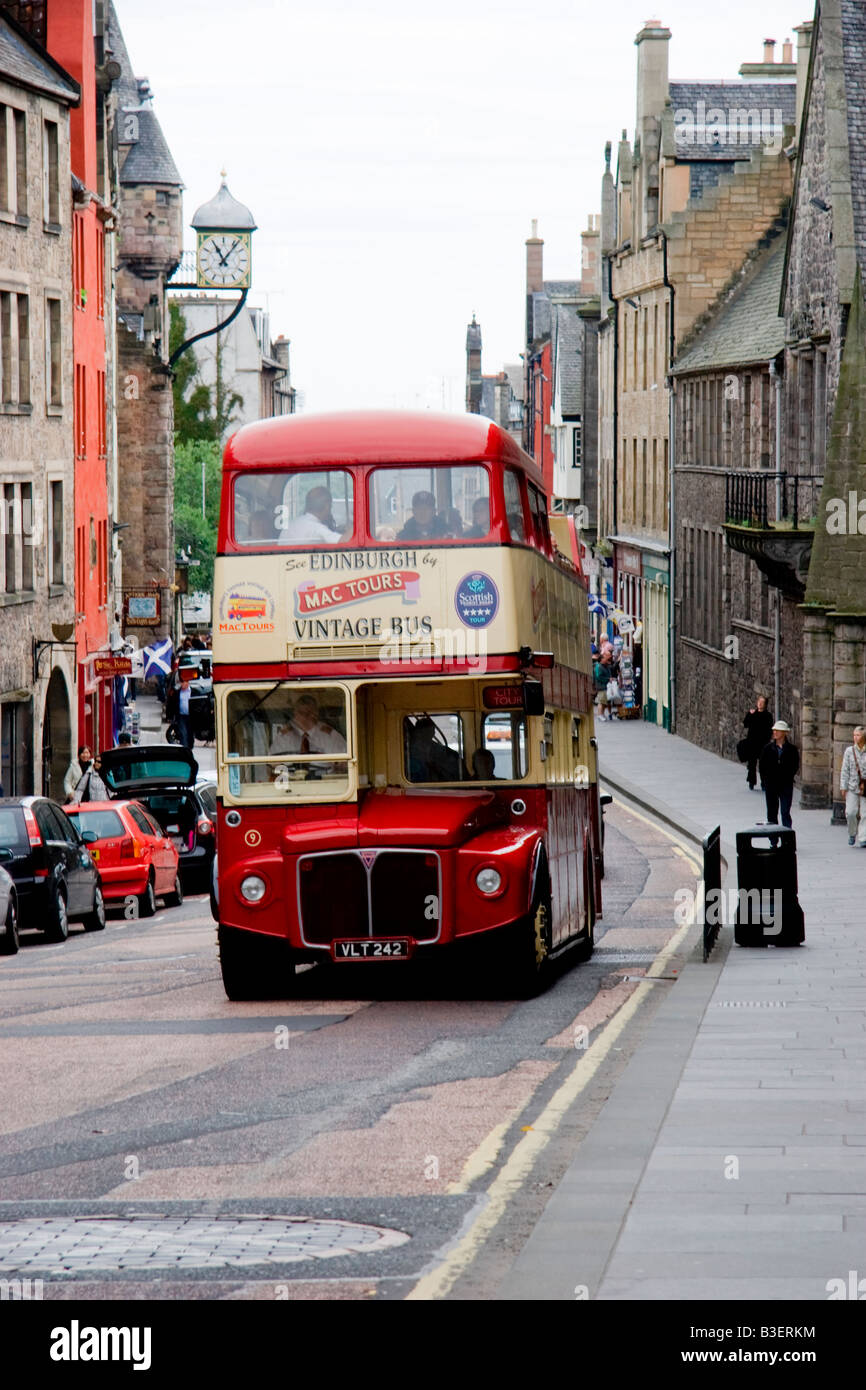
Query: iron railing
[[768, 499]]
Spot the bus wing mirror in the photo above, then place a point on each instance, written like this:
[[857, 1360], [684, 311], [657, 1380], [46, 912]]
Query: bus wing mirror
[[533, 697]]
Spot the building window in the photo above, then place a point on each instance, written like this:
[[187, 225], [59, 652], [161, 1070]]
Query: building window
[[53, 353], [80, 567], [79, 294], [100, 413], [55, 573], [102, 563], [577, 444], [93, 546], [10, 534], [13, 161], [100, 273], [23, 349], [6, 346], [80, 411], [50, 174], [27, 537], [819, 419]]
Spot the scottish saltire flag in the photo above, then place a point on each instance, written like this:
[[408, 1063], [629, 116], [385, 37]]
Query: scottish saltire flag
[[157, 658], [597, 604]]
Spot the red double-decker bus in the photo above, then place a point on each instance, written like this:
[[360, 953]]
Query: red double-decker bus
[[402, 673]]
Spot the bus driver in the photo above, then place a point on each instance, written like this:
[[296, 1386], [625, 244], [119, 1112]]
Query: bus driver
[[306, 732]]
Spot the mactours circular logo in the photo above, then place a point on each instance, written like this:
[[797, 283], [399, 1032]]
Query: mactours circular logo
[[247, 608], [476, 599]]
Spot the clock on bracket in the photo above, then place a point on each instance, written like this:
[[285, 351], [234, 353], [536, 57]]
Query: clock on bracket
[[223, 229], [223, 260]]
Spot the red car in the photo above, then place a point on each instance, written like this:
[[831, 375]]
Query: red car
[[134, 856]]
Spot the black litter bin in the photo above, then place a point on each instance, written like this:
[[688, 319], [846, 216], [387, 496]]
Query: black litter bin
[[768, 911]]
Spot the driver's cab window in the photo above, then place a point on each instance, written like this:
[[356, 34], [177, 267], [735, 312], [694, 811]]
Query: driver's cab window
[[433, 748]]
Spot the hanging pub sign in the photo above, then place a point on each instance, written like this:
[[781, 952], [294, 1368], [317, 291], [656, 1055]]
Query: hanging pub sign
[[141, 608], [112, 666]]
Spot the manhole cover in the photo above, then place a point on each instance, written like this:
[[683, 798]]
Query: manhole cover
[[68, 1245]]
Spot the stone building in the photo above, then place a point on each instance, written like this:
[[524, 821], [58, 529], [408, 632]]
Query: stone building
[[742, 526], [705, 156], [149, 199], [825, 387], [560, 363], [37, 655], [247, 372]]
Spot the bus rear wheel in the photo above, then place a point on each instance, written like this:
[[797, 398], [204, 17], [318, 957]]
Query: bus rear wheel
[[254, 966]]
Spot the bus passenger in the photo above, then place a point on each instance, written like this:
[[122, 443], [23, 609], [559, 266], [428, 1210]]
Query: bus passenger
[[317, 522], [483, 765], [430, 759], [480, 519], [423, 524], [306, 732]]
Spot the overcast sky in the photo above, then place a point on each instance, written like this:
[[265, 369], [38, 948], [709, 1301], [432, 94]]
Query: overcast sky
[[394, 153]]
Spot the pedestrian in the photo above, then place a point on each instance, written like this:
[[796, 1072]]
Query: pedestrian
[[76, 770], [853, 784], [91, 787], [181, 718], [759, 725], [124, 739], [778, 765], [602, 677]]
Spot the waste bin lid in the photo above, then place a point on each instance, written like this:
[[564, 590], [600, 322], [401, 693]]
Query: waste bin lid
[[781, 833]]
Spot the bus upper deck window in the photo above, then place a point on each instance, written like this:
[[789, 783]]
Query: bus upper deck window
[[294, 508], [419, 504], [514, 506], [540, 523]]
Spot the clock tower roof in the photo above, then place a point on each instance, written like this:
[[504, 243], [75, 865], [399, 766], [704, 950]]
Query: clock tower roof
[[223, 213]]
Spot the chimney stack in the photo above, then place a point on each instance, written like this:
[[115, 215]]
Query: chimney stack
[[652, 71], [534, 261], [769, 50], [590, 261], [787, 51]]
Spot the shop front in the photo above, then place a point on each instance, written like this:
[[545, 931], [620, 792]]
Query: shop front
[[656, 643]]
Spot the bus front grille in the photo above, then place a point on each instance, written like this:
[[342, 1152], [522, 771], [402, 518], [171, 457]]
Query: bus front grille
[[379, 893]]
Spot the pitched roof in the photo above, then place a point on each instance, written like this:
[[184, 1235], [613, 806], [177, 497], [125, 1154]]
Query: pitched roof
[[125, 87], [149, 159], [747, 327], [568, 344], [725, 120], [23, 63]]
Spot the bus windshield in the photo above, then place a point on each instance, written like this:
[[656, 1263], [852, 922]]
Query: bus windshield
[[423, 504], [287, 734], [294, 507]]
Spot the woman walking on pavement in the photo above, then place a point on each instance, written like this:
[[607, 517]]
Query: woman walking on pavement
[[778, 765], [759, 724], [853, 784]]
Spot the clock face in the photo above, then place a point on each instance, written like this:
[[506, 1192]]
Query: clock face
[[224, 260]]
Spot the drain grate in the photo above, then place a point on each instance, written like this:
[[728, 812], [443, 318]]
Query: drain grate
[[72, 1245], [751, 1004]]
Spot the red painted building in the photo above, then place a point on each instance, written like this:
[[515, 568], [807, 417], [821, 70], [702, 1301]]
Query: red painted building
[[70, 39]]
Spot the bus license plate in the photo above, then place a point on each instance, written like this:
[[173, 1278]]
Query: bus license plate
[[365, 948]]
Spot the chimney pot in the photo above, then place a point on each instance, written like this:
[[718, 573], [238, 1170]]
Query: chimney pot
[[769, 48]]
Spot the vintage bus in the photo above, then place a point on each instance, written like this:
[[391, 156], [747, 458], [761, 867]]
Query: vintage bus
[[406, 760]]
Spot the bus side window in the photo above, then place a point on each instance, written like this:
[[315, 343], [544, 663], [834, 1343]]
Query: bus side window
[[503, 736], [540, 524], [514, 506]]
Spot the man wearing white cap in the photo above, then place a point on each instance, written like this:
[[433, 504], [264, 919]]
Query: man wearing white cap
[[778, 765]]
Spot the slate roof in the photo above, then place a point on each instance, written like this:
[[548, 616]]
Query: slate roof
[[539, 316], [747, 328], [568, 357], [149, 159], [24, 64], [693, 103], [125, 87], [562, 287]]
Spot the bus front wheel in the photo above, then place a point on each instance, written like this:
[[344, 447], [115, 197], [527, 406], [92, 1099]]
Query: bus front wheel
[[527, 958], [254, 966]]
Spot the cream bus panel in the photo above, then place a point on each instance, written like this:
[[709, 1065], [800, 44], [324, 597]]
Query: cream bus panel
[[462, 603]]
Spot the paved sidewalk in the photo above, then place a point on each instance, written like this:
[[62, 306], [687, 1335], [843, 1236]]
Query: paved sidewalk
[[730, 1159]]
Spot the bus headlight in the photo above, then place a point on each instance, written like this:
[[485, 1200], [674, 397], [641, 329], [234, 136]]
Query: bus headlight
[[488, 881], [253, 888]]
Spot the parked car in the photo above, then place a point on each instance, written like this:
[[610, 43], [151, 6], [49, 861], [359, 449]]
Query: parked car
[[207, 791], [162, 777], [135, 856], [55, 877], [8, 909]]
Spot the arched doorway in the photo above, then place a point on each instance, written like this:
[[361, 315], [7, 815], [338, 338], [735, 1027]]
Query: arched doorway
[[56, 737]]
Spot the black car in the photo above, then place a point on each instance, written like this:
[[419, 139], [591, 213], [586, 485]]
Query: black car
[[162, 776], [55, 878]]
